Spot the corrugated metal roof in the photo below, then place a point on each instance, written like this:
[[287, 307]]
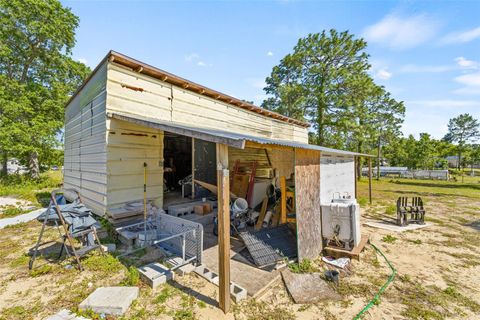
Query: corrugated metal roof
[[233, 139]]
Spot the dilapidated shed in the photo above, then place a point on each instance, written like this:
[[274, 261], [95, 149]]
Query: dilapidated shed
[[128, 114]]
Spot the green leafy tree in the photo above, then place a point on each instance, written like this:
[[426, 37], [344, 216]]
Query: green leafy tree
[[37, 75], [314, 81], [369, 118], [461, 130]]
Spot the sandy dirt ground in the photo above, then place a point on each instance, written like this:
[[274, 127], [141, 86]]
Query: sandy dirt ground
[[438, 273]]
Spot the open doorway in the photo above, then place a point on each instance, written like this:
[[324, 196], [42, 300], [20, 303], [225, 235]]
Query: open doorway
[[177, 157]]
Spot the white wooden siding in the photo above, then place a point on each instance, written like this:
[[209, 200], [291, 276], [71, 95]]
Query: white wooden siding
[[337, 175], [128, 147], [135, 93], [85, 160]]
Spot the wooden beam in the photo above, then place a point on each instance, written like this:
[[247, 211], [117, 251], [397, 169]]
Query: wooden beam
[[263, 211], [370, 179], [223, 182], [283, 200]]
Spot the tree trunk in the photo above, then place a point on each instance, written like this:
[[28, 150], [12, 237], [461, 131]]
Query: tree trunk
[[378, 158], [359, 162], [320, 122], [359, 168], [4, 171], [34, 165], [459, 160]]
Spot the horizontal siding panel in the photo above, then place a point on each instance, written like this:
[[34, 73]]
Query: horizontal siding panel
[[152, 100], [137, 107], [121, 74], [116, 198]]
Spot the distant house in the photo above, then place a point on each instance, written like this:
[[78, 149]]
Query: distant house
[[452, 161], [14, 166]]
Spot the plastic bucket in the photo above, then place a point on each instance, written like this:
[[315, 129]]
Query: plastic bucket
[[240, 205]]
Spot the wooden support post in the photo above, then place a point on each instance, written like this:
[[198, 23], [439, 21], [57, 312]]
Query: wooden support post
[[223, 197], [283, 200], [370, 179], [355, 160]]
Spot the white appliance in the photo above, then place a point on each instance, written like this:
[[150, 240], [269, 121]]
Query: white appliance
[[341, 222]]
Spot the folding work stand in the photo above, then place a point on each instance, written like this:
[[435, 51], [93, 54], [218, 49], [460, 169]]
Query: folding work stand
[[67, 234]]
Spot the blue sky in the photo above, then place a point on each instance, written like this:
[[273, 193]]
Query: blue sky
[[426, 54]]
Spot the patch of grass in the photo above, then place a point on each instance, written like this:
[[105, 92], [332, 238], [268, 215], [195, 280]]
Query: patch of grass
[[416, 241], [362, 201], [164, 295], [21, 225], [391, 210], [304, 266], [23, 187], [184, 314], [11, 211], [260, 310], [132, 278], [21, 312], [389, 239], [102, 263], [20, 261], [201, 304], [459, 298], [41, 270]]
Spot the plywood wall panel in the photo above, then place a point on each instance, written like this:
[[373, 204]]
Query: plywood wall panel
[[307, 201]]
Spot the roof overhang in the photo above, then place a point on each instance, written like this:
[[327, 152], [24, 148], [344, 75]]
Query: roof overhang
[[232, 139]]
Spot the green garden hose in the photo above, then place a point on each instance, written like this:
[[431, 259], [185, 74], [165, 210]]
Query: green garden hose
[[377, 296]]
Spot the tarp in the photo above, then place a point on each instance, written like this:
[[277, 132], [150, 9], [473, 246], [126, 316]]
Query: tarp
[[76, 216]]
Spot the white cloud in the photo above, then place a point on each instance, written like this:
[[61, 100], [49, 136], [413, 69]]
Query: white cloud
[[466, 64], [467, 91], [462, 36], [471, 79], [400, 32], [196, 59], [383, 74], [83, 60], [270, 53], [470, 82]]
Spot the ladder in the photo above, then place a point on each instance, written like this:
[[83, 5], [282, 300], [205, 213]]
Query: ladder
[[67, 235]]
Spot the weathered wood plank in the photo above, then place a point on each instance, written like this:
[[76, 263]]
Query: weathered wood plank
[[223, 181], [307, 200]]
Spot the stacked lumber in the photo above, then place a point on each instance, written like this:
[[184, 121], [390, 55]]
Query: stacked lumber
[[130, 212]]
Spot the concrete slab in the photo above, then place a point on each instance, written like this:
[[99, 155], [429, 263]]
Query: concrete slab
[[308, 287], [393, 227], [110, 300], [66, 315], [155, 274]]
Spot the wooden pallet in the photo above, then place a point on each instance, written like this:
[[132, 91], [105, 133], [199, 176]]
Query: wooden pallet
[[353, 254]]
